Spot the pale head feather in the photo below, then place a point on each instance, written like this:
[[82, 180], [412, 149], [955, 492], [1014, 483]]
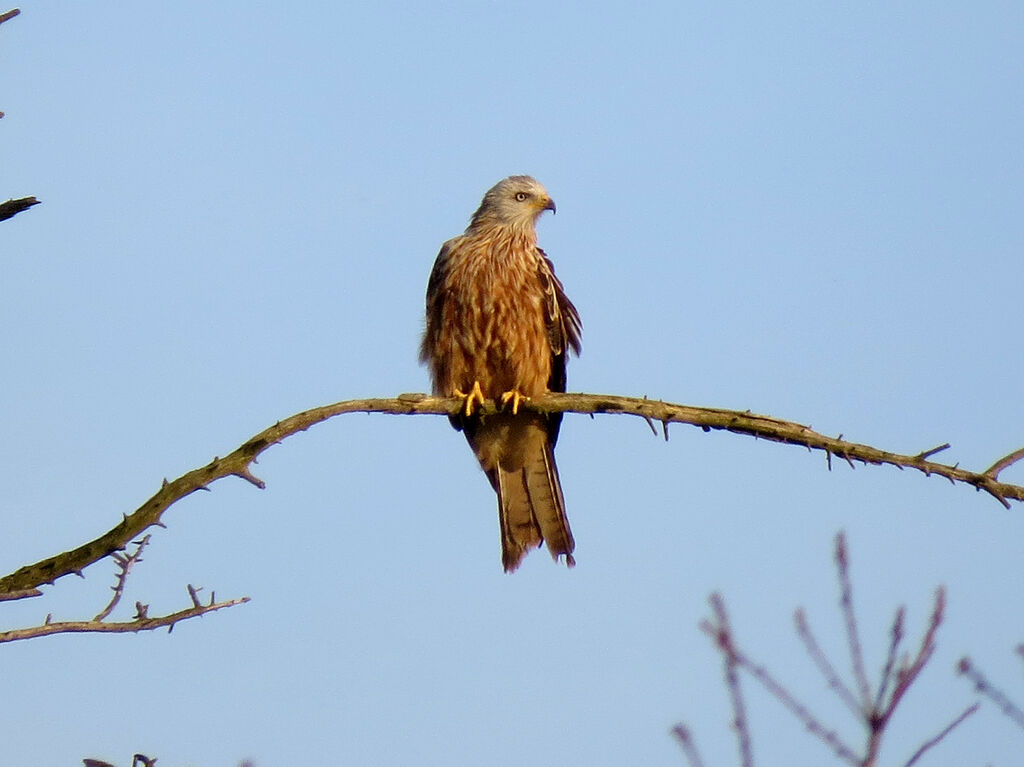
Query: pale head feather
[[516, 201]]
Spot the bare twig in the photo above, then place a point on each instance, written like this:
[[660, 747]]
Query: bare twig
[[726, 644], [906, 675], [124, 564], [8, 15], [722, 633], [929, 453], [824, 665], [237, 463], [1004, 462], [932, 742], [14, 207], [850, 621], [685, 740], [990, 691], [896, 637]]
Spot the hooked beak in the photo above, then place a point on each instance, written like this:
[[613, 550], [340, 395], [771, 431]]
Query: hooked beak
[[549, 204]]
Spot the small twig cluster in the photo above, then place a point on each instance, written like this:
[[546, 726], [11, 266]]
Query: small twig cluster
[[872, 708], [141, 621]]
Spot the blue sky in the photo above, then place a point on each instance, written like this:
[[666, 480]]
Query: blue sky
[[809, 210]]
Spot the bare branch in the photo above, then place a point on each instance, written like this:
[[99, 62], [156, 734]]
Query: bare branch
[[12, 208], [825, 666], [938, 738], [873, 713], [721, 630], [850, 620], [1004, 462], [682, 735], [236, 464], [125, 564], [896, 634], [906, 675], [141, 623], [990, 691], [726, 644], [9, 15]]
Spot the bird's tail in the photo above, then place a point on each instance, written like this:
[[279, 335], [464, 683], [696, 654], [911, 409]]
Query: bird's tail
[[531, 508]]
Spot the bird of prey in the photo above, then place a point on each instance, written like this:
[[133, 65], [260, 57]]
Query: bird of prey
[[499, 326]]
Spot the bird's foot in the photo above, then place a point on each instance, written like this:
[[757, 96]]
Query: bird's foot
[[475, 395], [516, 397]]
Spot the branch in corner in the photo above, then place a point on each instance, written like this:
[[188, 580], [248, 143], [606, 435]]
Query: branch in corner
[[11, 208], [873, 710], [141, 621]]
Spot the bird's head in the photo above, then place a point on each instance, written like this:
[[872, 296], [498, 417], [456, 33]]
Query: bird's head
[[515, 201]]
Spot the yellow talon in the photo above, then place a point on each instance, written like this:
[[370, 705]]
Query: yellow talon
[[475, 395], [516, 396]]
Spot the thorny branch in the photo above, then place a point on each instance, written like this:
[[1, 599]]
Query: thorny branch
[[140, 622], [237, 463], [125, 562]]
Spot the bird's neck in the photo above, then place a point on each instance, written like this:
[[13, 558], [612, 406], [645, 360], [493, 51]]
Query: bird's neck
[[521, 230]]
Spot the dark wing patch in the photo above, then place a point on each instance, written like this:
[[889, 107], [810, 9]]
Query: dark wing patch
[[564, 333], [435, 301]]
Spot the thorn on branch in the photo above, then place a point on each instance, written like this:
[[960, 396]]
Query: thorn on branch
[[251, 478], [928, 453], [125, 564]]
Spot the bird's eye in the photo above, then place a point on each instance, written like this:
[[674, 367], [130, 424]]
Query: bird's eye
[[521, 196]]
